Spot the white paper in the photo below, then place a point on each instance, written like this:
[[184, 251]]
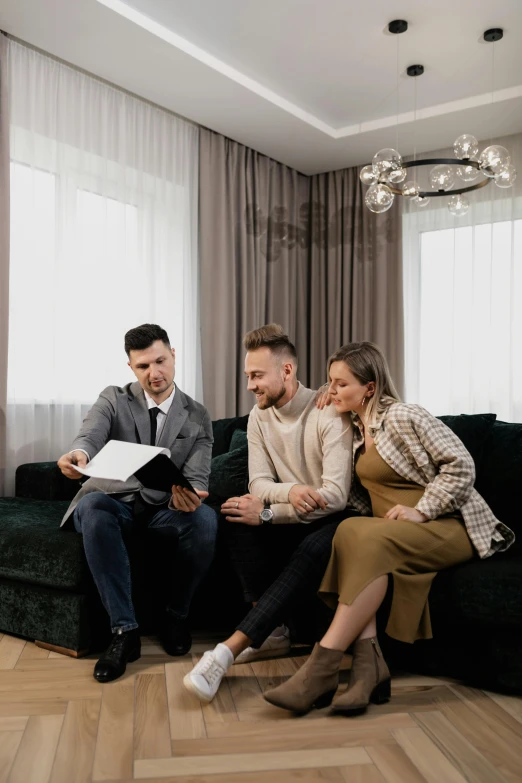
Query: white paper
[[118, 460]]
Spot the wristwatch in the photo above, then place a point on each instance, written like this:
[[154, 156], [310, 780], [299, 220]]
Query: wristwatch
[[267, 515]]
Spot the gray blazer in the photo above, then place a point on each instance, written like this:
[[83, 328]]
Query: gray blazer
[[122, 414]]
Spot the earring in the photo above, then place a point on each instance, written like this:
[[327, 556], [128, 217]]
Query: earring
[[363, 401]]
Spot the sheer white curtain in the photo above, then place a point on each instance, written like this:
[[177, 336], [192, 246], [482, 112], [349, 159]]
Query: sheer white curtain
[[103, 238], [463, 295]]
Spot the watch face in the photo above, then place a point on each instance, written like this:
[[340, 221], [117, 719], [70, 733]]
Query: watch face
[[266, 515]]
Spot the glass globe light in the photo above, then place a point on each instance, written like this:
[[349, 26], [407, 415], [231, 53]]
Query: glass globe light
[[442, 177], [410, 189], [395, 176], [465, 147], [421, 201], [458, 205], [493, 159], [506, 176], [379, 198], [467, 173], [386, 160], [368, 175]]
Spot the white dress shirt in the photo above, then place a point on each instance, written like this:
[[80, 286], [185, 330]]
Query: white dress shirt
[[164, 408]]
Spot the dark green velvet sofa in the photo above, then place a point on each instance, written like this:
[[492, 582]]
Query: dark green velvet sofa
[[46, 592]]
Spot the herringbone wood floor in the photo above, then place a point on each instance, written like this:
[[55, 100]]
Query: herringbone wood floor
[[58, 725]]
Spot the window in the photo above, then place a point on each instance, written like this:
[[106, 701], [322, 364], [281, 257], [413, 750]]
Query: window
[[464, 332], [103, 238]]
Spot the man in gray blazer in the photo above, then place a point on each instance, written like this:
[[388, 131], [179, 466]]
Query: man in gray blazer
[[150, 411]]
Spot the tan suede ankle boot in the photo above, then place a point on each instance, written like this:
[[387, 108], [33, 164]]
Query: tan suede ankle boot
[[314, 685], [369, 679]]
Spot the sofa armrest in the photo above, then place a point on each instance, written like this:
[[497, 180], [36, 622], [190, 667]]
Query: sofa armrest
[[44, 481]]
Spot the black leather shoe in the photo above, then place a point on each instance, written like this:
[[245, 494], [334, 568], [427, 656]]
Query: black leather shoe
[[124, 648], [175, 636]]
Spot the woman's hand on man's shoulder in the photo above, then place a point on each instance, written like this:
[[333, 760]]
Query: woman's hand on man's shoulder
[[322, 397]]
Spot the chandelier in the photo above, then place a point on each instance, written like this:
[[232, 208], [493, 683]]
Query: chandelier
[[387, 175]]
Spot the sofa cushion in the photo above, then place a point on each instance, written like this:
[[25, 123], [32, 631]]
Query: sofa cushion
[[223, 430], [44, 481], [229, 475], [481, 592], [239, 440], [501, 477], [473, 430], [34, 550]]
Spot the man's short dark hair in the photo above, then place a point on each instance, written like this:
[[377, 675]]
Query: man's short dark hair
[[271, 336], [142, 337]]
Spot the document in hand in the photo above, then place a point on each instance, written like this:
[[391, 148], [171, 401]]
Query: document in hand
[[152, 466]]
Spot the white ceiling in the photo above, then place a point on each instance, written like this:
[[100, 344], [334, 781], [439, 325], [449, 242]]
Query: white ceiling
[[312, 83]]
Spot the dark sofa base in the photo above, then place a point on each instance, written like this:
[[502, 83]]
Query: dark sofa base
[[471, 654], [41, 613]]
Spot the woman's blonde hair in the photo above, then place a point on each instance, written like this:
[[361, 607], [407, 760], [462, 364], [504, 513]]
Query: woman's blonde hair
[[366, 361]]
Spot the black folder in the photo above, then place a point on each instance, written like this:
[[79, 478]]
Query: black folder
[[161, 474]]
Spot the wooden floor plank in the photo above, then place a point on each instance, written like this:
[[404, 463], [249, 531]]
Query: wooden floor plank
[[394, 765], [297, 739], [84, 665], [245, 730], [57, 684], [363, 773], [273, 672], [185, 713], [511, 704], [9, 744], [11, 649], [151, 718], [250, 762], [40, 707], [412, 699], [501, 751], [35, 756], [496, 717], [244, 687], [13, 722], [321, 775], [221, 710], [427, 757], [31, 652], [462, 754], [114, 744], [75, 752]]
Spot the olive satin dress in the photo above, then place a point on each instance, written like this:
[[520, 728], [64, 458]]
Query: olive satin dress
[[365, 548]]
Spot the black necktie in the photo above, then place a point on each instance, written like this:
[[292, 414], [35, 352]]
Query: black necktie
[[153, 413]]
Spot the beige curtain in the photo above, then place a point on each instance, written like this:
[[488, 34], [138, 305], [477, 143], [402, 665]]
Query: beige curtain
[[305, 252], [354, 267], [4, 251]]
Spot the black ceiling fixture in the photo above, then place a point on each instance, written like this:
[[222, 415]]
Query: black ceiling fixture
[[387, 173]]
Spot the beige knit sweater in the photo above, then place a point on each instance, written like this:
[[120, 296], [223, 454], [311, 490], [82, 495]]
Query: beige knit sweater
[[299, 444]]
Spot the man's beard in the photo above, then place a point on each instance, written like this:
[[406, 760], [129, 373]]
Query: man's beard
[[160, 389], [272, 399]]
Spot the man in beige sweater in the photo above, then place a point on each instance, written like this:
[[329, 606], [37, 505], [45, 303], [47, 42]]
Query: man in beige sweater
[[280, 535]]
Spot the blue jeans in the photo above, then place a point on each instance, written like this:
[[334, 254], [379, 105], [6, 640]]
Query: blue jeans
[[102, 520]]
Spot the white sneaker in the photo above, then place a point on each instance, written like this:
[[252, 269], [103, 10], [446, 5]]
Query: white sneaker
[[205, 678], [277, 645]]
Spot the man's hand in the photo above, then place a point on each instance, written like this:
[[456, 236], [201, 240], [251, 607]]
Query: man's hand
[[305, 499], [405, 512], [68, 461], [245, 509], [184, 500]]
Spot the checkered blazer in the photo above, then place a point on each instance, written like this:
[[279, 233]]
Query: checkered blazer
[[419, 447]]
